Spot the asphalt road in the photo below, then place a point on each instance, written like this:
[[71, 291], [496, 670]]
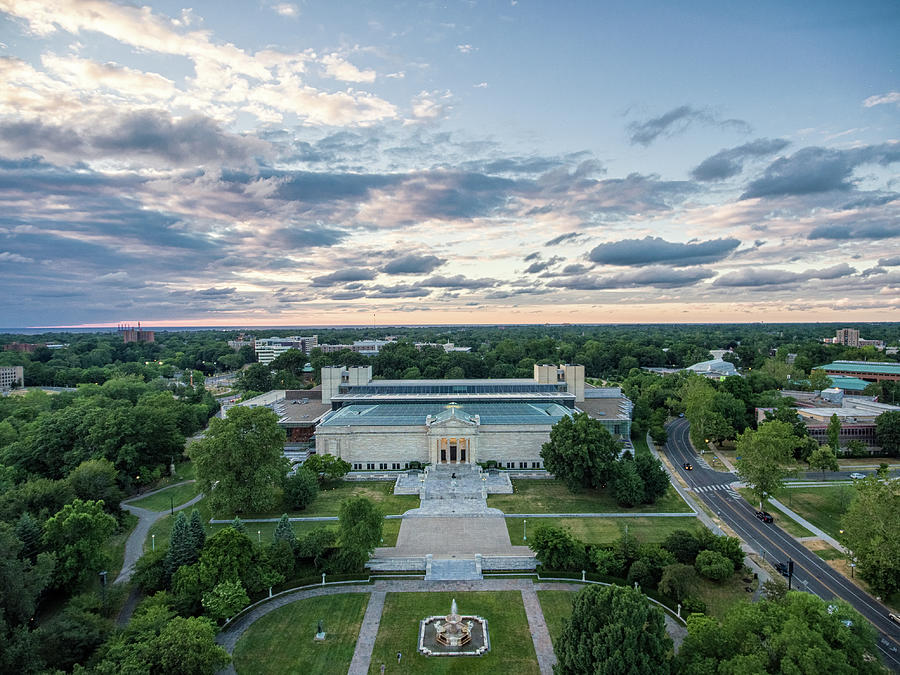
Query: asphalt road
[[811, 573]]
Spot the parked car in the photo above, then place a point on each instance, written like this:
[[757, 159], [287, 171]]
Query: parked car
[[857, 476], [894, 617], [765, 516], [688, 467]]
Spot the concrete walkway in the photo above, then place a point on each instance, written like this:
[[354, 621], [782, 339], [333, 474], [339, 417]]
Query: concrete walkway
[[537, 625], [797, 518], [368, 631]]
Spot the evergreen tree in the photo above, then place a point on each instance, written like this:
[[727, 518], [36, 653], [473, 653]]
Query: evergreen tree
[[834, 433], [29, 532], [198, 532], [238, 525], [628, 486], [181, 545], [284, 532]]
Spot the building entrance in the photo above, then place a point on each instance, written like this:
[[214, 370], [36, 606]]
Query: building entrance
[[454, 451]]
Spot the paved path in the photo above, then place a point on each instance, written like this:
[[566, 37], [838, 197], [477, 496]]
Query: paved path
[[805, 523], [365, 643], [134, 546], [537, 626]]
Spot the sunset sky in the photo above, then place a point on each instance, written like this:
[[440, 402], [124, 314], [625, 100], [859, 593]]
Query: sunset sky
[[316, 163]]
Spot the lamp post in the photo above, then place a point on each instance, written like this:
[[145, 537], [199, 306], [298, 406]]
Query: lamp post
[[259, 537], [172, 504], [525, 529], [152, 542]]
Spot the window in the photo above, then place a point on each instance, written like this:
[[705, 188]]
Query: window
[[535, 465], [357, 467], [395, 465], [510, 465], [617, 429], [382, 466], [523, 465], [370, 466]]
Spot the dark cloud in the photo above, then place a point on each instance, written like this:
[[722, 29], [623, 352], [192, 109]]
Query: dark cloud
[[730, 162], [750, 278], [657, 277], [457, 282], [676, 121], [879, 229], [561, 238], [304, 186], [576, 268], [650, 250], [532, 256], [814, 170], [306, 237], [413, 264], [539, 210], [398, 291], [542, 265], [147, 134], [352, 274], [890, 262]]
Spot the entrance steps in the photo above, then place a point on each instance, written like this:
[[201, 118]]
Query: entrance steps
[[445, 568]]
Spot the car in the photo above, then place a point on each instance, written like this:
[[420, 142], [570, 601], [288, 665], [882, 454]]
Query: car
[[857, 476], [688, 467], [681, 414], [782, 569], [765, 516], [894, 617]]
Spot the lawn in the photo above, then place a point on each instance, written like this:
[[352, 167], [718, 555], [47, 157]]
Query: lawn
[[557, 607], [719, 598], [161, 501], [283, 640], [822, 506], [328, 501], [789, 525], [512, 650], [605, 530], [552, 496], [640, 445]]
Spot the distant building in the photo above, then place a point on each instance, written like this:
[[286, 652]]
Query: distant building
[[131, 334], [25, 347], [856, 413], [714, 368], [269, 349], [364, 347], [870, 371], [12, 376], [446, 346], [242, 341], [849, 337]]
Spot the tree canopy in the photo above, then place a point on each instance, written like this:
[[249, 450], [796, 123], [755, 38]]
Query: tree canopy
[[765, 456], [580, 452], [870, 530]]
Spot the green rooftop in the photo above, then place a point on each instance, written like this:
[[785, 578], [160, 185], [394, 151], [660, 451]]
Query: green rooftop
[[848, 383], [873, 367], [415, 414]]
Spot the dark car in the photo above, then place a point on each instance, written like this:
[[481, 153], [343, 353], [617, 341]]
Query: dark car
[[782, 569], [765, 516], [688, 467]]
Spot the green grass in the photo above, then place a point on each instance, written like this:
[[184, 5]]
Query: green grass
[[720, 598], [282, 641], [512, 650], [328, 501], [161, 501], [552, 496], [557, 607], [787, 524], [830, 554], [822, 506], [640, 445], [605, 530]]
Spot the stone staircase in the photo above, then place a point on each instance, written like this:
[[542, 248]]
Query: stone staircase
[[463, 569]]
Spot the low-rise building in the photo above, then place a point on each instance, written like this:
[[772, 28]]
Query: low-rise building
[[870, 371]]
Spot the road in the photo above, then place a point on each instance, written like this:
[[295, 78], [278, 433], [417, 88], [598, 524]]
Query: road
[[811, 573]]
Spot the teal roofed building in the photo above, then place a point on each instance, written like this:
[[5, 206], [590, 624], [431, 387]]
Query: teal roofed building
[[387, 424], [854, 384], [870, 371]]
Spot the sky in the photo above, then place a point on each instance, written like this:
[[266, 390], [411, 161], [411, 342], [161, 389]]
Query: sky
[[335, 163]]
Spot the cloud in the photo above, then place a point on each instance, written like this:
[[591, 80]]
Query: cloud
[[287, 9], [340, 276], [730, 162], [814, 170], [457, 282], [466, 49], [531, 256], [882, 229], [650, 250], [677, 121], [890, 262], [542, 265], [398, 291], [891, 97], [561, 238], [750, 278], [340, 69], [430, 105], [306, 237], [9, 257], [480, 85], [657, 277], [413, 264]]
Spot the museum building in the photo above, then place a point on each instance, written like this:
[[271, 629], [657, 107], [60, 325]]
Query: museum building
[[386, 424]]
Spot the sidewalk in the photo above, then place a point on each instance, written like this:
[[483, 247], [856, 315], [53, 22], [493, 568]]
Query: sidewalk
[[805, 523]]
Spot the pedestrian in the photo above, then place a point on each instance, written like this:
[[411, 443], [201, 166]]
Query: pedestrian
[[399, 656], [382, 669]]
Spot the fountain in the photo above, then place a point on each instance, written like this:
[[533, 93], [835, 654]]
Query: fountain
[[453, 635]]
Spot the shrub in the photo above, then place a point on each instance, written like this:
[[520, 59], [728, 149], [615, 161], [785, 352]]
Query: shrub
[[683, 545], [300, 489], [713, 565], [693, 605]]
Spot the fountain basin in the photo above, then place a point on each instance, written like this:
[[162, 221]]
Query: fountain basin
[[474, 642]]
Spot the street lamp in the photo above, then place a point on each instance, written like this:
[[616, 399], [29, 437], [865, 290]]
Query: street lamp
[[259, 537], [525, 529], [152, 542], [172, 504]]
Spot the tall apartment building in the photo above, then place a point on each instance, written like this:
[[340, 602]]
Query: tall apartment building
[[269, 349], [849, 337], [11, 376], [132, 334]]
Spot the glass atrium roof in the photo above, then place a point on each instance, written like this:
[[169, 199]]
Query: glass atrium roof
[[415, 414]]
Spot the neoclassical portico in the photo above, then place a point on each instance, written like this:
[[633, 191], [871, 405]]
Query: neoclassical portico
[[452, 436]]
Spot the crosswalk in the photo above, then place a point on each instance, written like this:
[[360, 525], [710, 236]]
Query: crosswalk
[[725, 487]]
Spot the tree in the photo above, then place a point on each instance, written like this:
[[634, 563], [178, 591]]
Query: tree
[[359, 531], [678, 581], [257, 377], [653, 476], [765, 455], [77, 534], [72, 635], [96, 479], [870, 532], [628, 486], [182, 545], [613, 629], [556, 548], [730, 547], [581, 452], [797, 634], [887, 432], [187, 646], [818, 380], [823, 459], [713, 565], [241, 463], [198, 532], [834, 432], [300, 488], [285, 532], [226, 599], [314, 545], [683, 545], [326, 467]]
